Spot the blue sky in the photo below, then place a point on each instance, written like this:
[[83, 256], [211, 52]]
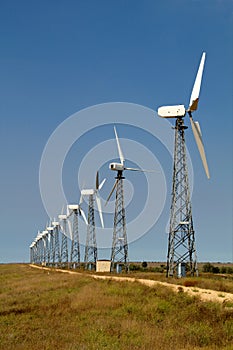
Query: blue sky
[[59, 57]]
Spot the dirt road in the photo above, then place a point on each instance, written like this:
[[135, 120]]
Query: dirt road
[[203, 294]]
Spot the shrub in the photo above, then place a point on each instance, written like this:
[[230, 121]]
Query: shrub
[[134, 267], [207, 267], [215, 269], [223, 269], [230, 270]]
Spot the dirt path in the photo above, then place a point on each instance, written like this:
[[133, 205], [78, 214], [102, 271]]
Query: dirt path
[[203, 294]]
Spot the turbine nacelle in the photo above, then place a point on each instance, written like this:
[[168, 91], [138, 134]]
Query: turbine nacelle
[[177, 111], [88, 192], [116, 166], [61, 217], [73, 206], [55, 223]]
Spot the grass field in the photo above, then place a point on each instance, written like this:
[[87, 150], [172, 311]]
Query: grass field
[[51, 310]]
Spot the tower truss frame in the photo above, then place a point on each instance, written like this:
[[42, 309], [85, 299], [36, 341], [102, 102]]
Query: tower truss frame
[[119, 253], [91, 245], [75, 245], [181, 254]]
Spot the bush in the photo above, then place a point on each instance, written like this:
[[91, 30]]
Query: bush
[[207, 267], [144, 264], [134, 267], [210, 268], [223, 269], [215, 269], [230, 270]]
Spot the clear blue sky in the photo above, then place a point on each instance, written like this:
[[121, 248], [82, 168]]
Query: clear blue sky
[[58, 57]]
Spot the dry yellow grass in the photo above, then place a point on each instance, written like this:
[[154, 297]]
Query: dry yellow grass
[[46, 310]]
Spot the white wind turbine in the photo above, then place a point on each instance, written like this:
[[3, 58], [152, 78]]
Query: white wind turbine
[[181, 244], [119, 254]]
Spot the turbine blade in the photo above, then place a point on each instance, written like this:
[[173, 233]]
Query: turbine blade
[[197, 135], [81, 199], [98, 201], [83, 215], [121, 156], [142, 170], [198, 127], [62, 228], [112, 190], [97, 180], [69, 229], [133, 169], [102, 183], [193, 104], [68, 212]]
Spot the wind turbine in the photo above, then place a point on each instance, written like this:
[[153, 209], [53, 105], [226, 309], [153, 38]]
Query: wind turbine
[[64, 239], [119, 254], [91, 246], [181, 243], [34, 250], [75, 210]]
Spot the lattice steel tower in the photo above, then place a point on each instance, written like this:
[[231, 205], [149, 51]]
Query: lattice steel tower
[[56, 246], [91, 246], [44, 249], [64, 240], [119, 254], [75, 246], [181, 242], [181, 254]]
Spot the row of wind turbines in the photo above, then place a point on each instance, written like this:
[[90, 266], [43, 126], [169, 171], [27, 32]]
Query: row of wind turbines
[[45, 249]]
